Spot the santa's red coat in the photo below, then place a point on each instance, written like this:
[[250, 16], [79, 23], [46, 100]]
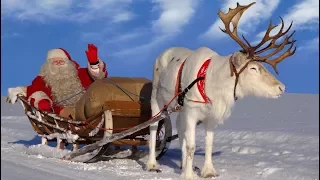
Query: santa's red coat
[[39, 89]]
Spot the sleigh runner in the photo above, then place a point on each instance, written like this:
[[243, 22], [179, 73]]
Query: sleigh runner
[[115, 118]]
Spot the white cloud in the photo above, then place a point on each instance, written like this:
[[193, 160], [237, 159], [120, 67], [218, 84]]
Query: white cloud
[[101, 4], [260, 11], [122, 17], [174, 15], [144, 48], [311, 45], [10, 35], [36, 9], [304, 14], [67, 10], [113, 35], [125, 37], [114, 10]]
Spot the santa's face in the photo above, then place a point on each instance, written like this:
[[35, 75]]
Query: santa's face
[[59, 66], [62, 76]]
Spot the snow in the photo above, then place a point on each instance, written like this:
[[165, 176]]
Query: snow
[[67, 136], [263, 139]]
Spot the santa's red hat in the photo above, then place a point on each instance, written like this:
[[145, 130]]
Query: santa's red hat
[[61, 53]]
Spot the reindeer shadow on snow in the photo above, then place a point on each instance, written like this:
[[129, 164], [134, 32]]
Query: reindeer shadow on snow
[[171, 159]]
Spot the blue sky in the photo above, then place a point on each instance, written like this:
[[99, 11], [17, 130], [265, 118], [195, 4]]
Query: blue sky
[[130, 34]]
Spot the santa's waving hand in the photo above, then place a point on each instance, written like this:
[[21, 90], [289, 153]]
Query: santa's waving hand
[[96, 67], [61, 82]]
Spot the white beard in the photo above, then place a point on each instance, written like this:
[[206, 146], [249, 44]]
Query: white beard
[[64, 83]]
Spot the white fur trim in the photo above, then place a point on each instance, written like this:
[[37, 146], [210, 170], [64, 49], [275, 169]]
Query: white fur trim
[[14, 92], [53, 53], [97, 73], [38, 95], [108, 123]]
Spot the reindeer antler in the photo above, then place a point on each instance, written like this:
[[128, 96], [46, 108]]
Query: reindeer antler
[[234, 16], [278, 47]]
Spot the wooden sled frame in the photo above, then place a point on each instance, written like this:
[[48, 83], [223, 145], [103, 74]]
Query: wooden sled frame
[[113, 115]]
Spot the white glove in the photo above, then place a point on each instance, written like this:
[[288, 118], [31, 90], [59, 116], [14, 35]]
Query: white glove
[[14, 92]]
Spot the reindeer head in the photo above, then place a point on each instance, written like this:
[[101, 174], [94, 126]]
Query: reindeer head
[[247, 66]]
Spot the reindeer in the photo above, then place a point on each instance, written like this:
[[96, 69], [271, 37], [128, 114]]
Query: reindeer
[[220, 81]]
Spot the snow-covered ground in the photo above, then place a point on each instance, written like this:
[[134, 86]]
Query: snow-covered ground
[[264, 139]]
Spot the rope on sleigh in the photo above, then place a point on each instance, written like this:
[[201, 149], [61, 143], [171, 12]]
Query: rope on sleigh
[[122, 89]]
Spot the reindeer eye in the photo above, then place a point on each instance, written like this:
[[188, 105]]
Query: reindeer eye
[[253, 68]]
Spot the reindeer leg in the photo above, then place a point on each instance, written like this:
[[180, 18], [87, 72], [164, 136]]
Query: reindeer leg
[[190, 121], [152, 162], [208, 169], [181, 129]]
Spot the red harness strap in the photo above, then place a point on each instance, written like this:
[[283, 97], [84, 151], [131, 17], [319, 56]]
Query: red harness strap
[[200, 84]]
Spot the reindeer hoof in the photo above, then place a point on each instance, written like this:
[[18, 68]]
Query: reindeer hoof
[[208, 173], [153, 167], [188, 176], [155, 170], [210, 176]]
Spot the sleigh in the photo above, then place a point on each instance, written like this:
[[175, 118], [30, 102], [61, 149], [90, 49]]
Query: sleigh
[[117, 124]]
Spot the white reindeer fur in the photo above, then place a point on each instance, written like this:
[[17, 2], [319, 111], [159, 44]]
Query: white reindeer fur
[[219, 87]]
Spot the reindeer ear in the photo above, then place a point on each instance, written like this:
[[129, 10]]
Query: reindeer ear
[[239, 59], [236, 59]]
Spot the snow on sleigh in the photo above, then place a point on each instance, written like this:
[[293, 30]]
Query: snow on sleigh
[[114, 111]]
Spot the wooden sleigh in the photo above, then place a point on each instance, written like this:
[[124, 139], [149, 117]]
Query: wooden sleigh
[[114, 117]]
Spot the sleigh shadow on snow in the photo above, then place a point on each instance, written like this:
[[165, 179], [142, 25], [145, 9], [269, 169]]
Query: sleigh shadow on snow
[[34, 141]]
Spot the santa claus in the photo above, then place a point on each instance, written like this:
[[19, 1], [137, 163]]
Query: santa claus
[[61, 82]]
